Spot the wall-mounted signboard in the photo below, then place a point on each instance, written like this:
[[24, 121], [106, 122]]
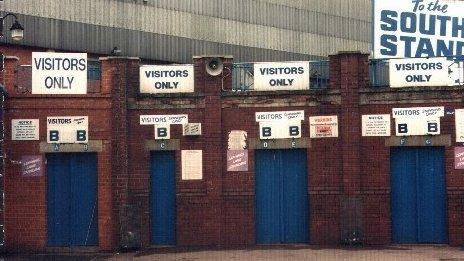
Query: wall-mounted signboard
[[192, 164], [59, 73], [323, 126], [417, 28], [68, 129], [166, 78], [237, 160], [459, 118], [419, 72], [418, 120], [376, 125], [25, 129], [163, 119], [279, 129], [279, 116], [281, 76]]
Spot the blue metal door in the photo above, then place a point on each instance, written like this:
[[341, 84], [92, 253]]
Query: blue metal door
[[418, 196], [72, 199], [163, 198], [281, 197]]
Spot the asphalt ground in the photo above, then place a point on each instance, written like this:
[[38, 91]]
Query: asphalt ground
[[265, 253]]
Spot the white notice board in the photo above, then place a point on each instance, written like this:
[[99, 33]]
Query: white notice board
[[192, 164]]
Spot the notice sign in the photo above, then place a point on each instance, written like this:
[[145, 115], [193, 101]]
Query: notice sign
[[281, 76], [59, 73], [279, 116], [31, 166], [376, 125], [25, 129], [459, 158], [459, 117], [192, 164], [418, 28], [163, 119], [68, 129], [166, 79], [237, 160], [323, 126], [419, 72], [418, 120]]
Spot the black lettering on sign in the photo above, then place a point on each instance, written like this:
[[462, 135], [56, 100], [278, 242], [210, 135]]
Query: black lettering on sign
[[81, 135], [162, 132], [54, 135], [432, 127], [403, 128], [294, 131], [266, 131]]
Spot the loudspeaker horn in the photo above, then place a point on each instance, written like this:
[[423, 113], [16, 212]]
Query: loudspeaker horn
[[214, 66]]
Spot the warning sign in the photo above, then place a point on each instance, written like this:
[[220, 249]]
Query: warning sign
[[323, 126]]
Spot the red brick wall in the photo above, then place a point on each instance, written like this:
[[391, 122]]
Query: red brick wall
[[219, 209]]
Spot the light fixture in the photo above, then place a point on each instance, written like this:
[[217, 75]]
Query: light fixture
[[116, 51], [17, 30]]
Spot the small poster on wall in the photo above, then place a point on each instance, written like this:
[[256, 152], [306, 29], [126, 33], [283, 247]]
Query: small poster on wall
[[323, 126], [192, 164], [237, 140], [376, 125], [459, 158], [237, 160], [31, 166], [459, 115]]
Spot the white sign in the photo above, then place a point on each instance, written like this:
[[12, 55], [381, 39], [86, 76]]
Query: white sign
[[163, 119], [279, 116], [191, 129], [59, 73], [279, 129], [418, 28], [237, 140], [68, 129], [192, 164], [418, 112], [166, 78], [323, 126], [162, 132], [376, 125], [418, 120], [25, 129], [459, 117], [419, 72], [421, 126], [281, 76]]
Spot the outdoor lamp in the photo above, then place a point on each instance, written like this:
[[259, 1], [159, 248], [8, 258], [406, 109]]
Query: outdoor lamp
[[17, 30]]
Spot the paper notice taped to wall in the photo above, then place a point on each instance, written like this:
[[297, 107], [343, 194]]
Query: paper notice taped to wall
[[192, 164]]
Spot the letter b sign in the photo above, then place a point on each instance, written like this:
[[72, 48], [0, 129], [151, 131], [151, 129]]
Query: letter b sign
[[294, 131]]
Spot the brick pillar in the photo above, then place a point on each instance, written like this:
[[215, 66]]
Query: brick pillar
[[212, 134], [349, 73], [7, 77], [119, 78]]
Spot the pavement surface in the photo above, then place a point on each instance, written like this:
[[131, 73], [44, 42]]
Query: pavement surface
[[271, 253]]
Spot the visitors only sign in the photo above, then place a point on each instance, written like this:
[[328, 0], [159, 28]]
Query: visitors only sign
[[418, 28], [419, 72], [59, 73], [166, 79], [281, 76]]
